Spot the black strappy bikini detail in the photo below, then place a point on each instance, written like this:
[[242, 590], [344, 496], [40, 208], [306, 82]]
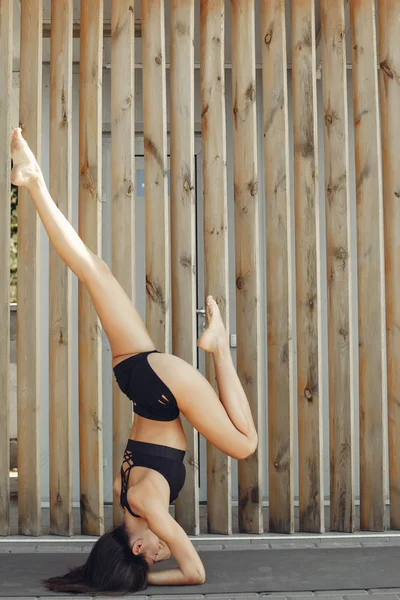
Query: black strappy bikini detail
[[125, 473]]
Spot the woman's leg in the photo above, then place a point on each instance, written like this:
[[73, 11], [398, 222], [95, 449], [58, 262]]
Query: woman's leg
[[121, 322], [226, 421]]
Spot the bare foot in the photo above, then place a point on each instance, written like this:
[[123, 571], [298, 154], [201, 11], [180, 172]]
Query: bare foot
[[25, 170], [214, 337]]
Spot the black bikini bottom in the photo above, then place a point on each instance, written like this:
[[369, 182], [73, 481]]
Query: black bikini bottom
[[151, 397]]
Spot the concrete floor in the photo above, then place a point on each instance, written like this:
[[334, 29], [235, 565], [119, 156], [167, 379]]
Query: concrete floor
[[319, 568], [216, 546]]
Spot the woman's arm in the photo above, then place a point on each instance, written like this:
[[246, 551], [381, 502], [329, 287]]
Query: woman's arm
[[191, 570]]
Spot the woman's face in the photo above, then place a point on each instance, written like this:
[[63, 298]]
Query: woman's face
[[151, 547]]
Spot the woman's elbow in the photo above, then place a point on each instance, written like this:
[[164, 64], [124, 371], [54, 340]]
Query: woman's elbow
[[198, 577]]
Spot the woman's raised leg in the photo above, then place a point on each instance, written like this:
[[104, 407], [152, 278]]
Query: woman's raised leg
[[226, 421], [121, 322]]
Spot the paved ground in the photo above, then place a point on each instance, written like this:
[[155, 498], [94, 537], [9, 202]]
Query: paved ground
[[237, 542], [310, 547], [340, 595]]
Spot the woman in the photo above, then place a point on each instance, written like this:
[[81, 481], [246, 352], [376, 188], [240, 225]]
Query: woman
[[160, 386]]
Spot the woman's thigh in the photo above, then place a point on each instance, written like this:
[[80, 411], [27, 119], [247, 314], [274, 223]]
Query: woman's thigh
[[199, 403], [120, 320]]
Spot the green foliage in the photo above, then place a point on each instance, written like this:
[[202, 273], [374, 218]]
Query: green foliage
[[13, 244]]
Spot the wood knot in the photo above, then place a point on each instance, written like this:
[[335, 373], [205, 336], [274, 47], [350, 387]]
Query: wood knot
[[308, 394], [128, 102], [59, 499], [397, 194], [158, 58], [328, 119], [311, 303], [252, 187], [186, 185], [240, 283], [276, 465], [387, 69], [268, 38], [129, 189]]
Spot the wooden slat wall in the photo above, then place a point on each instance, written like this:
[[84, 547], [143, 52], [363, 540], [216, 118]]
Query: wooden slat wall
[[311, 495], [123, 193], [28, 349], [247, 249], [279, 267], [212, 74], [389, 35], [337, 193], [60, 326], [370, 264], [6, 22], [183, 231], [158, 288], [90, 386]]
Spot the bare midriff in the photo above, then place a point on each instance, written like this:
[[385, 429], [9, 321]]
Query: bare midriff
[[165, 433]]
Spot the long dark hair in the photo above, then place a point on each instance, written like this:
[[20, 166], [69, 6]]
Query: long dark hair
[[111, 567]]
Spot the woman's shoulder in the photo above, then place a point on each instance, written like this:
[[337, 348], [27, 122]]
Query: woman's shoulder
[[149, 492]]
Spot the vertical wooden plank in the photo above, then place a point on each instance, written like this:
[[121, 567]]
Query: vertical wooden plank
[[61, 520], [212, 74], [389, 32], [311, 495], [334, 84], [183, 232], [6, 23], [123, 193], [90, 388], [158, 289], [247, 249], [370, 264], [279, 267], [28, 348]]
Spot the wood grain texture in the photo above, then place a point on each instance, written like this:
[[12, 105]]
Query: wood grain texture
[[279, 267], [389, 32], [6, 37], [212, 75], [311, 494], [123, 194], [183, 231], [370, 264], [248, 310], [60, 326], [90, 386], [28, 347], [340, 329], [158, 288]]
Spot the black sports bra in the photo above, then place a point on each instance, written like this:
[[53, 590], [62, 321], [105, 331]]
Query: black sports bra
[[165, 460]]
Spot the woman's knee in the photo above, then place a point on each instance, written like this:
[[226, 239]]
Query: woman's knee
[[247, 447]]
